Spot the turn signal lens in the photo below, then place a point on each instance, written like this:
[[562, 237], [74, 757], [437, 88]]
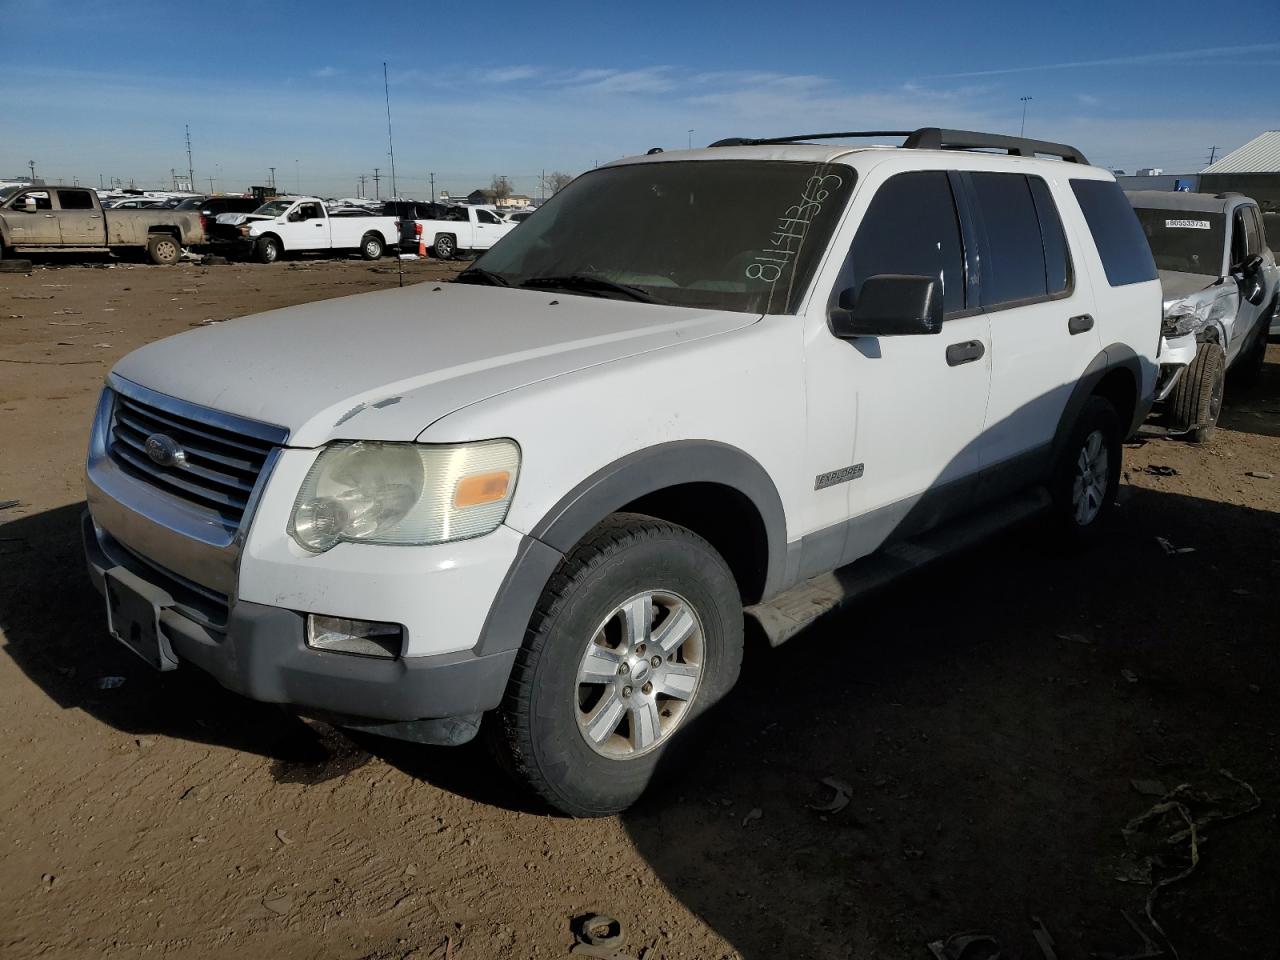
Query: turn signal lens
[[482, 488]]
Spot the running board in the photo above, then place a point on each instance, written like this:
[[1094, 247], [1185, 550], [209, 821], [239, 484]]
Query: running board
[[804, 604]]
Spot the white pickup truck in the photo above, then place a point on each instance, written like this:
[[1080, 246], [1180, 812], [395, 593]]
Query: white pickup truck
[[303, 224], [464, 228]]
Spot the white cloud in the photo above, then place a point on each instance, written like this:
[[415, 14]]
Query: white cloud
[[1138, 59], [324, 72]]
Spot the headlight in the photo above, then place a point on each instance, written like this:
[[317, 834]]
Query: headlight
[[404, 493], [244, 230], [1193, 313]]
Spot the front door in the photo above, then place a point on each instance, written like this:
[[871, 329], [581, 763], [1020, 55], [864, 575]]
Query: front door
[[34, 224], [909, 408], [79, 219], [488, 230]]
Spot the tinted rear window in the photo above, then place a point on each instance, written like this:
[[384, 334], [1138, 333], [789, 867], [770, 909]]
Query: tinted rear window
[[1057, 258], [1121, 243], [1014, 266]]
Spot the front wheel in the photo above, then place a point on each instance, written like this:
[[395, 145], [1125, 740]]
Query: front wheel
[[164, 250], [1087, 478], [267, 250], [371, 247], [637, 633], [1197, 399]]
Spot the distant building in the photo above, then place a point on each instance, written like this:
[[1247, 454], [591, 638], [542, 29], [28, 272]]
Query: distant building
[[1150, 171], [1253, 170]]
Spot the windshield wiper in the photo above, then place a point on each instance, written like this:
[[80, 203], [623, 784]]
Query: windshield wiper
[[481, 275], [588, 284]]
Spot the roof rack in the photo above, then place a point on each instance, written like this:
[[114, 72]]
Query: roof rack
[[933, 138]]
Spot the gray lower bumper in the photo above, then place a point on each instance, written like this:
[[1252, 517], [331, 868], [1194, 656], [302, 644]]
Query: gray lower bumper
[[258, 651]]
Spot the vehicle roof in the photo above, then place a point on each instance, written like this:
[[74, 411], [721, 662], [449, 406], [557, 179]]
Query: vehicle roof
[[820, 153], [1182, 200]]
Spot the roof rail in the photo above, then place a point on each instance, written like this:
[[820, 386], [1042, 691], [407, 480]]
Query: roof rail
[[934, 138]]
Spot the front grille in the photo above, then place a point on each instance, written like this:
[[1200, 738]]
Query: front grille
[[222, 463]]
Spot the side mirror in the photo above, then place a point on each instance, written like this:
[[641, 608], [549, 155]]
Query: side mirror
[[29, 204], [889, 305]]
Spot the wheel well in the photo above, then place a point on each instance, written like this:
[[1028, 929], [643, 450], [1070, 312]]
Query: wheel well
[[169, 231], [725, 518], [275, 237], [1119, 388], [372, 233]]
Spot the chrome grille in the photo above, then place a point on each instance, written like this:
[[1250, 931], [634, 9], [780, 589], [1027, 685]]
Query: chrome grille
[[224, 455]]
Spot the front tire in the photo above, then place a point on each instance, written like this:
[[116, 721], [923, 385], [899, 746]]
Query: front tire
[[267, 250], [1197, 399], [164, 250], [1086, 480], [371, 247], [637, 633]]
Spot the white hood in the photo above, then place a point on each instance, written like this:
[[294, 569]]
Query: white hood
[[386, 365]]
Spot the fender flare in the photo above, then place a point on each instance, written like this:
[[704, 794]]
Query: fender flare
[[1115, 356], [606, 491]]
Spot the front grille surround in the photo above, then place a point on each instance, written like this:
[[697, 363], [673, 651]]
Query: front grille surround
[[225, 455]]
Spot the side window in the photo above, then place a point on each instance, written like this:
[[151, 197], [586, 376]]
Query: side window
[[1014, 267], [41, 198], [910, 227], [1239, 239], [1057, 257], [310, 211], [484, 216], [1253, 245], [75, 200], [1122, 245]]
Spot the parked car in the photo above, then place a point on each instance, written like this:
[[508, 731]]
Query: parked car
[[462, 228], [520, 216], [1221, 290], [51, 219], [210, 208], [547, 491], [304, 225]]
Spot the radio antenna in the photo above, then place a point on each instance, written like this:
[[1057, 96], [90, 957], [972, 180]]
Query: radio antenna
[[391, 147]]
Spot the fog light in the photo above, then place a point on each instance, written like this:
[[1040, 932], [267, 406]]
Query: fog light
[[367, 638]]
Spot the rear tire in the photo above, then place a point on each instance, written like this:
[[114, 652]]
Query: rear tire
[[445, 247], [371, 247], [1197, 399], [637, 633], [164, 250], [267, 250], [1087, 478]]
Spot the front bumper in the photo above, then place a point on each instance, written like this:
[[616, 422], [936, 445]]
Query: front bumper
[[259, 651], [1176, 354]]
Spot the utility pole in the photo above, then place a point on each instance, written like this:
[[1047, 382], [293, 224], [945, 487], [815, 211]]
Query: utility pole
[[691, 138], [273, 177], [542, 187], [377, 191], [1213, 152], [32, 165], [297, 177], [191, 173], [433, 186], [363, 178], [211, 190], [100, 186], [173, 178], [1023, 129]]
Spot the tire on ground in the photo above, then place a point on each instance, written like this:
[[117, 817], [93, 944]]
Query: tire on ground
[[1197, 398], [536, 729], [371, 246], [1086, 479], [267, 250], [164, 249], [445, 246]]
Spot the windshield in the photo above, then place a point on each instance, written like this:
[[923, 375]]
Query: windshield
[[7, 192], [742, 235], [273, 208], [191, 203], [1190, 241]]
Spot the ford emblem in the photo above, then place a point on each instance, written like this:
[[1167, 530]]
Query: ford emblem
[[165, 451]]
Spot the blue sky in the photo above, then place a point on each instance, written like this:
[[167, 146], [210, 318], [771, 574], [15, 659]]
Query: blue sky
[[515, 88]]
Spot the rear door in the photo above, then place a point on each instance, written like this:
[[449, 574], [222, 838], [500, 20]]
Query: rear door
[[79, 219], [1043, 333]]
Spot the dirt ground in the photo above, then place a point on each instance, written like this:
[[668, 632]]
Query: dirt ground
[[989, 717]]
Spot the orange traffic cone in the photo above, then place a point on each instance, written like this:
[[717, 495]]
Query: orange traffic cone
[[422, 247]]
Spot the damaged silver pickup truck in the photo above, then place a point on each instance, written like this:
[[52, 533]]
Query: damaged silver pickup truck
[[1220, 283]]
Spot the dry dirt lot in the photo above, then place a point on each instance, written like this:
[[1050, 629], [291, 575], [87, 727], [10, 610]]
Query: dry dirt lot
[[990, 717]]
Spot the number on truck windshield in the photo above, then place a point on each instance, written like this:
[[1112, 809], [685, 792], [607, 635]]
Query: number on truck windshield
[[743, 235]]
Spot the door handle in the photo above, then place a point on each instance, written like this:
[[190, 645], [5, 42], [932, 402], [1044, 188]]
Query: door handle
[[94, 216], [48, 216], [1080, 324], [966, 352], [319, 225]]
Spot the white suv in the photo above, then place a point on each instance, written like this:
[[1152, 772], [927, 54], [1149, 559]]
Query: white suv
[[548, 492]]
